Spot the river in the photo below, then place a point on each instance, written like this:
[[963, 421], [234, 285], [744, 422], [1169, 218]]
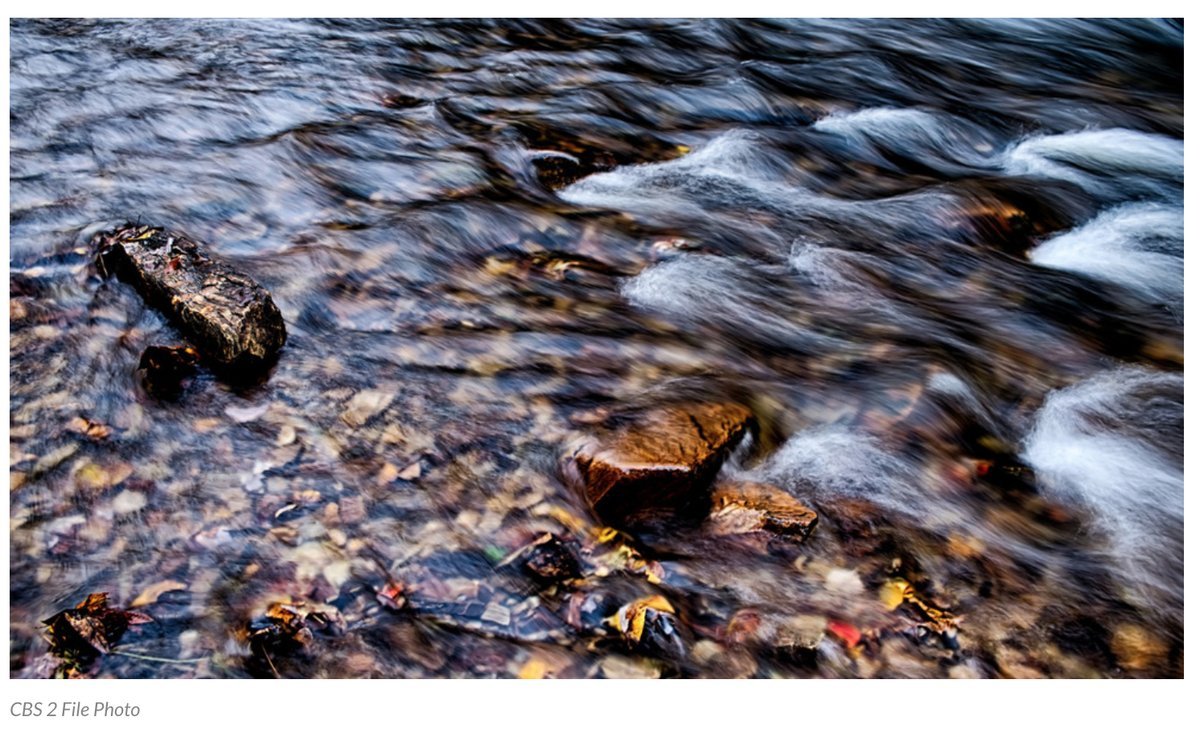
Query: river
[[940, 261]]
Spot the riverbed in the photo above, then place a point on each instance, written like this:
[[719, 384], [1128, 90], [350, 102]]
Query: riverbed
[[941, 262]]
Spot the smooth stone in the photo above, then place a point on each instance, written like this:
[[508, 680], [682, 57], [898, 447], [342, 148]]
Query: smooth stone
[[660, 459]]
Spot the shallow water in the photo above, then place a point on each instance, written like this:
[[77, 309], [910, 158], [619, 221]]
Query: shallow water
[[941, 261]]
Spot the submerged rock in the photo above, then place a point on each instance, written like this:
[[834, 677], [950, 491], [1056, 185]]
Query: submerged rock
[[226, 314], [165, 369], [549, 560], [557, 169], [1138, 649], [748, 508], [662, 459], [780, 633], [1010, 216]]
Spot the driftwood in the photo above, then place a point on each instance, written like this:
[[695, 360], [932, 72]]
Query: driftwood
[[227, 315]]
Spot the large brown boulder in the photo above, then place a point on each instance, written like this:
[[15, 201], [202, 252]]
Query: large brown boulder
[[660, 460], [226, 314]]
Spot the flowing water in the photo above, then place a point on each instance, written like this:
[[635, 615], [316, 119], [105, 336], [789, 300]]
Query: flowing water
[[941, 261]]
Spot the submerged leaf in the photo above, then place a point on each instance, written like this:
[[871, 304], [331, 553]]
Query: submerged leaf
[[101, 478], [151, 594], [534, 668], [90, 627], [892, 593], [650, 623], [845, 632]]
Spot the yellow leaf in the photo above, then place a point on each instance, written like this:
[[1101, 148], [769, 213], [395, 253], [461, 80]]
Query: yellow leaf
[[570, 521], [91, 476], [606, 534], [892, 593], [638, 624], [658, 602], [533, 669], [95, 476]]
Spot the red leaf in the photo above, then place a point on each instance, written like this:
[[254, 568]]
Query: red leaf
[[845, 632]]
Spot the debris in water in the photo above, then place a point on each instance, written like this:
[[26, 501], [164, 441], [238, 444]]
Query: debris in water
[[650, 624], [81, 634], [150, 595], [548, 560], [284, 629]]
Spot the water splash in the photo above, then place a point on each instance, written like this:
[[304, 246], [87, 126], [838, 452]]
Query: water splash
[[840, 461], [1118, 164], [1113, 444], [1138, 245]]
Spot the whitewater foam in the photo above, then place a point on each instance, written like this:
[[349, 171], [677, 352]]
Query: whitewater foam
[[1138, 245], [836, 460], [928, 135], [1118, 164], [1107, 445]]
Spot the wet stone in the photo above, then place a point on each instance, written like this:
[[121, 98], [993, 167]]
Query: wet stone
[[746, 508], [549, 560], [164, 371], [230, 318], [661, 459], [1138, 649], [558, 169], [798, 632]]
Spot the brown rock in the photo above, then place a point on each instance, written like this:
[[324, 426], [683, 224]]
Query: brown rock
[[1001, 214], [776, 632], [662, 459], [226, 314], [1137, 649], [744, 508]]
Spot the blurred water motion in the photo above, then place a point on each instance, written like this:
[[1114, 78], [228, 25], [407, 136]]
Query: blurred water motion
[[942, 261]]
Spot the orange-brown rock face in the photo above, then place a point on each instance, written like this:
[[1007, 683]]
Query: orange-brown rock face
[[747, 508], [664, 458]]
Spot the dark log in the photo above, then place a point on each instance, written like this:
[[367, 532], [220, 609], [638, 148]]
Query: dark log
[[230, 318]]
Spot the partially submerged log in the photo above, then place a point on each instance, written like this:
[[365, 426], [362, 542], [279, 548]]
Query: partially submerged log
[[226, 314], [661, 460]]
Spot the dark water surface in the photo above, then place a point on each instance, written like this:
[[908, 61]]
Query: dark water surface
[[941, 261]]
